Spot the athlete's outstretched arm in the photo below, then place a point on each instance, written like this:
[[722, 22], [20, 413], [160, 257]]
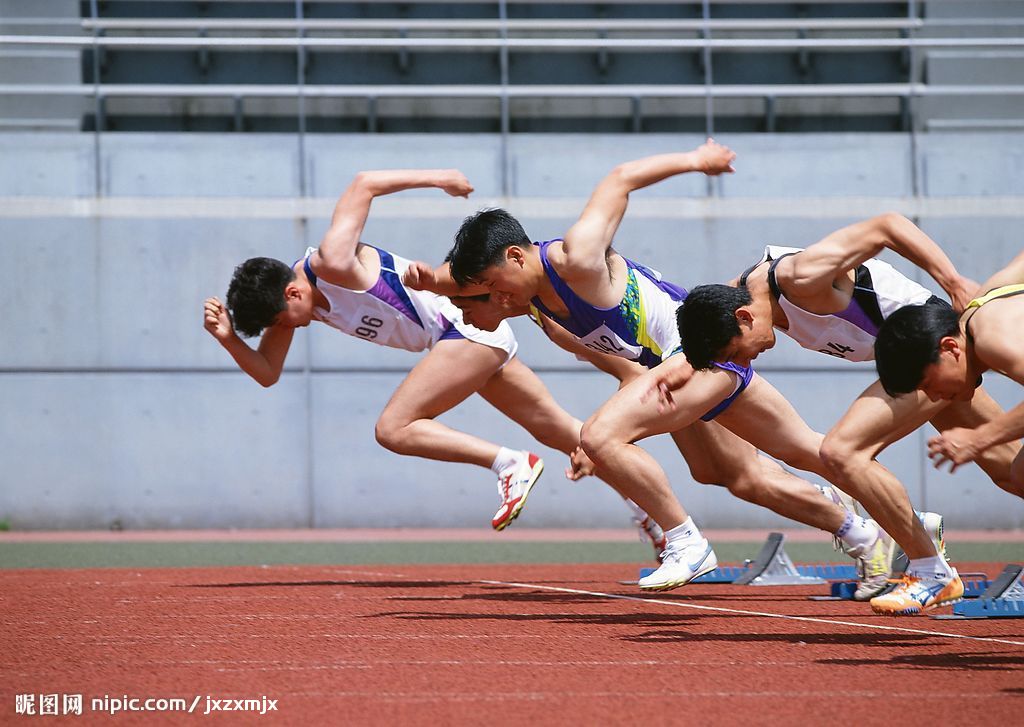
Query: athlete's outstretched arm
[[587, 241], [815, 269], [265, 363], [335, 260], [422, 276]]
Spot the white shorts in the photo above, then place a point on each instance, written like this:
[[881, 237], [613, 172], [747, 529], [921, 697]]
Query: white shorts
[[501, 338]]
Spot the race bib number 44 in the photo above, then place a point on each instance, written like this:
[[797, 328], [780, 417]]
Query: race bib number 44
[[605, 340]]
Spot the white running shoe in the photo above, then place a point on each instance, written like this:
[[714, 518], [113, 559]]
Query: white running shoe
[[514, 485], [651, 532], [934, 525], [679, 565], [874, 567]]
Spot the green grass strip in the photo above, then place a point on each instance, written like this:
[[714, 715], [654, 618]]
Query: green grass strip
[[199, 554]]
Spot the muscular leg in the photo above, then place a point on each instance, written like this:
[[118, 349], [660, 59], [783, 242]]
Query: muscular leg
[[608, 438], [999, 462], [761, 418], [518, 393], [873, 422], [445, 377]]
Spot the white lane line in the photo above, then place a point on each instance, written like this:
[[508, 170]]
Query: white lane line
[[786, 617]]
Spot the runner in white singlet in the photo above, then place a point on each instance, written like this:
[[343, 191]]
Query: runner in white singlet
[[833, 298], [357, 289]]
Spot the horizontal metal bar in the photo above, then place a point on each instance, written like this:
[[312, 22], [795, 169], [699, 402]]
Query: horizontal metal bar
[[517, 24], [520, 44], [855, 90]]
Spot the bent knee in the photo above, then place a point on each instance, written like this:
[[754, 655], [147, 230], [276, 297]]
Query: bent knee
[[596, 436], [388, 433], [839, 456]]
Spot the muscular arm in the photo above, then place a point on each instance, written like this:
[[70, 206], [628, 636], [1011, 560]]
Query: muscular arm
[[816, 269], [265, 363], [588, 240], [421, 276], [335, 260]]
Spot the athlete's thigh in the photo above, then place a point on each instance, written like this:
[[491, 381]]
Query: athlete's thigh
[[450, 372], [876, 420], [633, 415], [762, 416], [518, 393], [715, 455], [982, 408]]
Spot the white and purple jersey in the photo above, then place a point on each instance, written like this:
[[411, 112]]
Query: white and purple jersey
[[641, 328], [878, 290], [392, 315]]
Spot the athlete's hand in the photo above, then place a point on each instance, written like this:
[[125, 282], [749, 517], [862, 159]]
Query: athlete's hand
[[455, 183], [714, 158], [955, 446], [419, 276], [662, 381], [962, 293], [580, 465], [217, 320]]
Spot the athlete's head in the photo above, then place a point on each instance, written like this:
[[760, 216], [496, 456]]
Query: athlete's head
[[921, 347], [491, 249], [480, 311], [724, 323], [265, 292]]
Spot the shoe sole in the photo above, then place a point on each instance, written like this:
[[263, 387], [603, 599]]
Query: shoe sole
[[671, 585], [915, 610], [535, 474]]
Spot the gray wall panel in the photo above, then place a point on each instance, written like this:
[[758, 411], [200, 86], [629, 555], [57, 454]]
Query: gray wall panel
[[127, 410], [201, 165], [147, 450], [334, 160], [42, 164]]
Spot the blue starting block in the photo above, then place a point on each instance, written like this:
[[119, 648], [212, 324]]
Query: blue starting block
[[1003, 598], [974, 587], [773, 567]]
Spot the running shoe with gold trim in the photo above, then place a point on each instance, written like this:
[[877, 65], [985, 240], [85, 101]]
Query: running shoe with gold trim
[[914, 594]]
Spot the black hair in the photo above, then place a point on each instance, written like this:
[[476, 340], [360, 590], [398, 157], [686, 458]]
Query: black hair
[[481, 242], [707, 321], [908, 342], [256, 294]]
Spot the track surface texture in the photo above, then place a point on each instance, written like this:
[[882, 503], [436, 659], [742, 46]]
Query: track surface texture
[[496, 644]]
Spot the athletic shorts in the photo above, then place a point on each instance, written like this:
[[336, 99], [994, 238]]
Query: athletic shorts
[[501, 338]]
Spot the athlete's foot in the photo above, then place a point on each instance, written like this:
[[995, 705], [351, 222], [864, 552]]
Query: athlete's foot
[[874, 566], [514, 485], [680, 564], [916, 594]]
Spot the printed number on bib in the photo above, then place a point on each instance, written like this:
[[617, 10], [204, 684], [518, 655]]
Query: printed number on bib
[[836, 349], [372, 324], [605, 340]]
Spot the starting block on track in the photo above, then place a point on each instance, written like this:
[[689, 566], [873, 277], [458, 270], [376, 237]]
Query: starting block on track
[[773, 567], [1004, 598]]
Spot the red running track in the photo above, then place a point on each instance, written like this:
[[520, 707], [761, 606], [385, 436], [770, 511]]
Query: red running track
[[509, 644]]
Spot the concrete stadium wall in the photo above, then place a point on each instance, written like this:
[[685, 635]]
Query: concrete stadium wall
[[121, 411]]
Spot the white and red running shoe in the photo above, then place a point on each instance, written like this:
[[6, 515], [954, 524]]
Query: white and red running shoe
[[651, 533], [514, 485]]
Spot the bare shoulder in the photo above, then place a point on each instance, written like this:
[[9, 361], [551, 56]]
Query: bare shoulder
[[994, 328]]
